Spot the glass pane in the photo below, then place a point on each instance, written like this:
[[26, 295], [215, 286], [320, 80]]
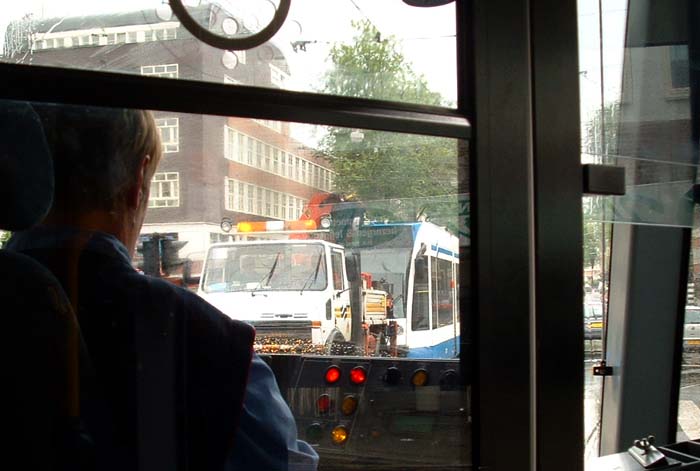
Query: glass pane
[[334, 287], [658, 193], [359, 48], [601, 42], [637, 114]]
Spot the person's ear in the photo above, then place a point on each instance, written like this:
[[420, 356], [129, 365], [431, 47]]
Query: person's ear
[[136, 196]]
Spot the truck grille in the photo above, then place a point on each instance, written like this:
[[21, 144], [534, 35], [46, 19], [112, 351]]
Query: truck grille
[[282, 329]]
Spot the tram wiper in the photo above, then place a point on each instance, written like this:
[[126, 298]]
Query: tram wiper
[[268, 277], [309, 281]]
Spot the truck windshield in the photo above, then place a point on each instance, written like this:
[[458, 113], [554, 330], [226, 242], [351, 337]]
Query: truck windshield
[[246, 267]]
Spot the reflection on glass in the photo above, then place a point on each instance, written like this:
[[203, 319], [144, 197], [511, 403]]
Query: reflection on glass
[[360, 48]]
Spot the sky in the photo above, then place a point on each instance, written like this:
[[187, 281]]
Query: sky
[[614, 17]]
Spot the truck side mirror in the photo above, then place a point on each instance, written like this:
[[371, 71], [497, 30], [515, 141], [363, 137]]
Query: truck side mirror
[[352, 265], [187, 277]]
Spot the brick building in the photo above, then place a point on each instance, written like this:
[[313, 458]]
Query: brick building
[[212, 167]]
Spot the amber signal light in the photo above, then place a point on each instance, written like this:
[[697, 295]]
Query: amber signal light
[[339, 435], [349, 405], [419, 378]]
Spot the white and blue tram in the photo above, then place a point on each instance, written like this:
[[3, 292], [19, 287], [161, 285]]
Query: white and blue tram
[[418, 264]]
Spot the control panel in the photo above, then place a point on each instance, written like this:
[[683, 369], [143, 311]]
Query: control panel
[[379, 411]]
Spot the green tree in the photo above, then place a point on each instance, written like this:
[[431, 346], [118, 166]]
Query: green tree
[[412, 174], [600, 137]]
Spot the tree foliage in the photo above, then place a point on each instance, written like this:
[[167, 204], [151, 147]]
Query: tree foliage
[[382, 166], [600, 137], [600, 141]]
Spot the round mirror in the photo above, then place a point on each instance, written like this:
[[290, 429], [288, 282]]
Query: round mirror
[[232, 25]]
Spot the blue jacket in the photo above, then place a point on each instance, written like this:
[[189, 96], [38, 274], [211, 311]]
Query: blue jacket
[[220, 383]]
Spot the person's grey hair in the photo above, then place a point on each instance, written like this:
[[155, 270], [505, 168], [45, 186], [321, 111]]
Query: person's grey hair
[[97, 153]]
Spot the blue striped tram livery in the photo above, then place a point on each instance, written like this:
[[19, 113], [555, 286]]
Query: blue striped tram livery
[[417, 263]]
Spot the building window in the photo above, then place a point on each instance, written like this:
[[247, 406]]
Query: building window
[[282, 162], [250, 150], [215, 237], [278, 76], [230, 194], [132, 37], [261, 201], [165, 190], [169, 134], [250, 199], [680, 72], [259, 152], [169, 33], [255, 153], [275, 125], [165, 70]]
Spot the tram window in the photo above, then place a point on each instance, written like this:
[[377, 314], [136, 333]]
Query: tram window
[[313, 33], [421, 296], [443, 290]]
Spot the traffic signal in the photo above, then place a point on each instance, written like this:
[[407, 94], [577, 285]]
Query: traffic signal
[[170, 254], [149, 250]]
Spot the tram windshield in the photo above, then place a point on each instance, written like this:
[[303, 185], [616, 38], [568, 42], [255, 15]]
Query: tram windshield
[[307, 229]]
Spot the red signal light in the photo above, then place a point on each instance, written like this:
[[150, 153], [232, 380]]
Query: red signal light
[[323, 403], [332, 374], [358, 375]]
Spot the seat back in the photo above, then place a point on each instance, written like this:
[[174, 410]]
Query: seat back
[[40, 336]]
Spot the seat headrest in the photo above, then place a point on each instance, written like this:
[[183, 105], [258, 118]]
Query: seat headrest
[[26, 167]]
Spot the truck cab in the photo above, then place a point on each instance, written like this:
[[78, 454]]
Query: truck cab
[[294, 292]]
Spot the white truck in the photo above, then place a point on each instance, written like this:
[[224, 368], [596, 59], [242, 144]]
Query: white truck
[[296, 293]]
